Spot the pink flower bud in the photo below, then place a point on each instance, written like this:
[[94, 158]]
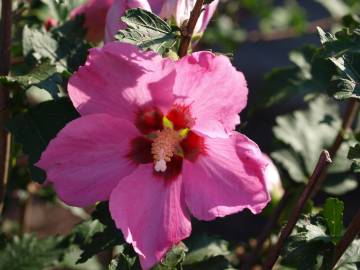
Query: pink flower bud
[[50, 23]]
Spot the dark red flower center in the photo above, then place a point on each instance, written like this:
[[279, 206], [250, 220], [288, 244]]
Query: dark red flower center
[[167, 140]]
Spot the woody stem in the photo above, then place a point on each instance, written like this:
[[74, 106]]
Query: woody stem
[[187, 32], [5, 45]]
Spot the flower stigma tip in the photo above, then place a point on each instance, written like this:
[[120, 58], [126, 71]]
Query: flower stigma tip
[[167, 143], [164, 147]]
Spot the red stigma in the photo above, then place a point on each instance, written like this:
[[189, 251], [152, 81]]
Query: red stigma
[[140, 151], [193, 145], [180, 116], [189, 145], [149, 120]]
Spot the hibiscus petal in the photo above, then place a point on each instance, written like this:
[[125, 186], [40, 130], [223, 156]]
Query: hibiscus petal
[[157, 5], [95, 12], [228, 178], [180, 11], [88, 158], [161, 96], [151, 213], [205, 16], [116, 11], [211, 82], [115, 80]]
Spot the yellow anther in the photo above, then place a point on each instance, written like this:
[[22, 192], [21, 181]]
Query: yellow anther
[[167, 123], [183, 133]]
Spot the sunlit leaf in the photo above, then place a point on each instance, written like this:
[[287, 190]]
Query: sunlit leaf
[[147, 30], [333, 213]]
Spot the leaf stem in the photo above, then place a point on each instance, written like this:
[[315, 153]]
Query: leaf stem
[[188, 30], [5, 139], [265, 234], [323, 162], [352, 231]]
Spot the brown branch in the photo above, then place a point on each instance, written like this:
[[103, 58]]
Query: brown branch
[[17, 60], [274, 253], [352, 231], [188, 30], [266, 232], [5, 46]]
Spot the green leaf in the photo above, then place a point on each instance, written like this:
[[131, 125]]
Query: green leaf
[[351, 21], [292, 162], [100, 241], [310, 74], [343, 88], [354, 155], [124, 262], [350, 258], [304, 133], [41, 45], [48, 83], [60, 10], [202, 247], [92, 237], [29, 253], [206, 252], [213, 263], [306, 245], [147, 30], [35, 128], [104, 236], [344, 42], [63, 47], [333, 213], [84, 231], [71, 44], [339, 183], [336, 8], [173, 258], [343, 50]]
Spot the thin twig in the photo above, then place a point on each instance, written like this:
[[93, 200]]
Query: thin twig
[[265, 234], [348, 119], [5, 45], [188, 30], [323, 161], [17, 60]]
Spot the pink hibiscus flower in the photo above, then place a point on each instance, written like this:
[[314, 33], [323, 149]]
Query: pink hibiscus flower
[[156, 139], [178, 10], [94, 12]]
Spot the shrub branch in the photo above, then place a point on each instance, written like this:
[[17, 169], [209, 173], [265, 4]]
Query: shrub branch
[[274, 253], [5, 46], [188, 30]]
